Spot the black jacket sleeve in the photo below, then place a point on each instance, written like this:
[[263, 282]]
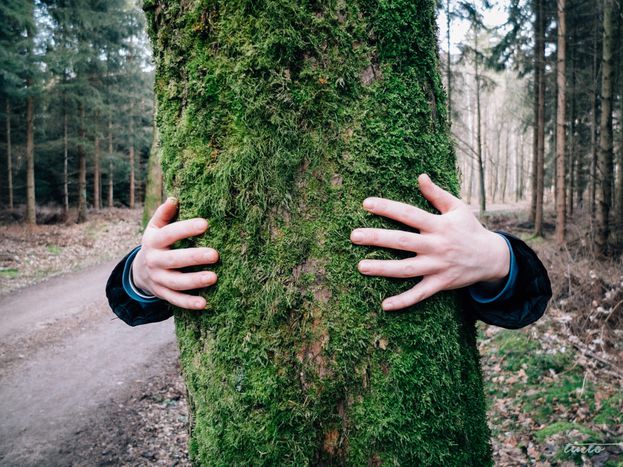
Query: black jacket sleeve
[[530, 295], [129, 310]]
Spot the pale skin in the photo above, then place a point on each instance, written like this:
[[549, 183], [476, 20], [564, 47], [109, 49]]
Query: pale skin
[[452, 250]]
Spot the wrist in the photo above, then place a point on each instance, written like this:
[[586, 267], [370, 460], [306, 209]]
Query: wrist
[[499, 260], [136, 283]]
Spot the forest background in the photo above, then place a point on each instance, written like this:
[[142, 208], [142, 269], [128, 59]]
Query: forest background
[[535, 93]]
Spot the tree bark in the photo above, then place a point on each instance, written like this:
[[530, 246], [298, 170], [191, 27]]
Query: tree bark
[[110, 167], [9, 155], [276, 142], [592, 187], [31, 212], [561, 80], [97, 178], [82, 171], [539, 176], [573, 177], [449, 61], [154, 189], [604, 160], [65, 168], [482, 198], [132, 161], [619, 173]]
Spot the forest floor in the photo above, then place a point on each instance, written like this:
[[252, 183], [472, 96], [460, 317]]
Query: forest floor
[[555, 389]]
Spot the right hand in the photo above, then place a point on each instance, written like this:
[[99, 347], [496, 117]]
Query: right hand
[[155, 266]]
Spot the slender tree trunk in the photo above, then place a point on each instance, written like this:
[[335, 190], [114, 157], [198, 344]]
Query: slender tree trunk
[[481, 167], [132, 162], [65, 167], [537, 119], [540, 165], [592, 187], [449, 60], [110, 166], [9, 155], [97, 178], [154, 187], [619, 175], [31, 214], [506, 166], [604, 161], [561, 139], [293, 364], [82, 171], [518, 170], [571, 192]]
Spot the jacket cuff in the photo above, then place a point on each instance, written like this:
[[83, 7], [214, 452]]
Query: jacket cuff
[[128, 284], [479, 295]]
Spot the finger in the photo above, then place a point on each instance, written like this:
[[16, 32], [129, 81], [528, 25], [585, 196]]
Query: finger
[[164, 214], [184, 257], [403, 268], [396, 239], [176, 280], [401, 212], [437, 196], [426, 288], [171, 233], [190, 302]]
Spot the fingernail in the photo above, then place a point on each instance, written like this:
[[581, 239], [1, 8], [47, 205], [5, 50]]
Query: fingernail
[[388, 305], [208, 277], [199, 304], [356, 236], [364, 266], [171, 199], [369, 203], [201, 224]]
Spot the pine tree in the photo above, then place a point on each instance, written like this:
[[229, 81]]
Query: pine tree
[[277, 119], [605, 157], [561, 120]]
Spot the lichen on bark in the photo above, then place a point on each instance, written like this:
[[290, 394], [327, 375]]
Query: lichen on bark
[[277, 119]]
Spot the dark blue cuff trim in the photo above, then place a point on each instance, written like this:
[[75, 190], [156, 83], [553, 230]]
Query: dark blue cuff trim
[[476, 292], [125, 279]]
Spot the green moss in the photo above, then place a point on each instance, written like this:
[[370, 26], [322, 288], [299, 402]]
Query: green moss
[[277, 118], [9, 273]]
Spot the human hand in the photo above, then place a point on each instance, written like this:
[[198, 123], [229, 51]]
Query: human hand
[[453, 249], [154, 268]]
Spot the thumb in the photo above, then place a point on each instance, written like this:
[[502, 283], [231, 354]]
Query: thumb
[[437, 196], [164, 214]]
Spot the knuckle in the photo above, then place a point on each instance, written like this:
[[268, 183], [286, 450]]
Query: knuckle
[[409, 270], [197, 257], [149, 259], [404, 241]]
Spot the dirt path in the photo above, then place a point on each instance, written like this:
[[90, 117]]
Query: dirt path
[[70, 372]]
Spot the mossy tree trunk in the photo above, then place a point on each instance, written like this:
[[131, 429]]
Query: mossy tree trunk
[[277, 119], [154, 184]]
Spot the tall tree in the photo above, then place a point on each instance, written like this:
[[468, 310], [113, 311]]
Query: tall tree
[[17, 70], [538, 165], [275, 128], [604, 161], [561, 120]]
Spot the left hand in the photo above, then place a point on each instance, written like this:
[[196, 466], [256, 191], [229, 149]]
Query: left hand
[[453, 249]]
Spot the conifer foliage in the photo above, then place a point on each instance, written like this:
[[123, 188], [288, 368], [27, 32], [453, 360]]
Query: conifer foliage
[[76, 92]]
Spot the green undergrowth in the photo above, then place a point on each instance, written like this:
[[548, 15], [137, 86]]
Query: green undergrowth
[[277, 119], [539, 393]]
